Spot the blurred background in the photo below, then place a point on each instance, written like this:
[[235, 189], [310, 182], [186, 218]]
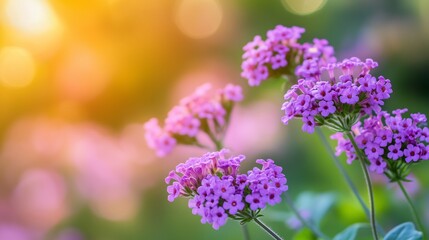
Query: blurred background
[[79, 78]]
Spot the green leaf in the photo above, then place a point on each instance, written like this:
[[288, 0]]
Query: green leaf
[[404, 231], [317, 204], [350, 232]]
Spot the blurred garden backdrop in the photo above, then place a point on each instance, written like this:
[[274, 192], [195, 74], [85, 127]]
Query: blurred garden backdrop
[[79, 78]]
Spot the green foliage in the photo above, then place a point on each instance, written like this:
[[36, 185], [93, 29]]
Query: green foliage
[[304, 234], [350, 232], [317, 204], [404, 231]]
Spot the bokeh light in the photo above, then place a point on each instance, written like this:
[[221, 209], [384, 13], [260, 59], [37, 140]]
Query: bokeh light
[[17, 67], [199, 18], [34, 24], [30, 16], [303, 7]]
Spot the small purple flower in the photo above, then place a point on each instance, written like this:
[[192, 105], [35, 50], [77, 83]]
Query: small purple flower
[[196, 204], [234, 203], [219, 217], [173, 191], [273, 197], [378, 165], [373, 151], [383, 137], [308, 125], [412, 153], [302, 103], [326, 108], [256, 201], [350, 96], [225, 189], [278, 61], [367, 83], [395, 152]]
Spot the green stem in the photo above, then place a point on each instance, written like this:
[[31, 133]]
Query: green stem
[[267, 229], [218, 144], [315, 230], [368, 184], [245, 232], [346, 177], [412, 207]]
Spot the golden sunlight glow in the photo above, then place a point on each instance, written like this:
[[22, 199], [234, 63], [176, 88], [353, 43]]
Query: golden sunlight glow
[[199, 18], [17, 67], [30, 16], [34, 24], [303, 7]]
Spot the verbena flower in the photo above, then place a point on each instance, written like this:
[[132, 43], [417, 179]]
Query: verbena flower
[[390, 142], [206, 110], [281, 54], [217, 190], [336, 96]]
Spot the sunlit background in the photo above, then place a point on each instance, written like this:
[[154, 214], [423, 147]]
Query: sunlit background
[[79, 78]]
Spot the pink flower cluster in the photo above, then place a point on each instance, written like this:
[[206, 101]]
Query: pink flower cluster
[[387, 138], [342, 88], [280, 54], [217, 191], [203, 111]]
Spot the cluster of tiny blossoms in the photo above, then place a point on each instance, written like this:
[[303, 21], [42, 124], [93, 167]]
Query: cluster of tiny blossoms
[[389, 141], [217, 191], [280, 54], [205, 110], [338, 93]]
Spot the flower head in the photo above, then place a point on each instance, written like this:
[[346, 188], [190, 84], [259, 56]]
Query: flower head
[[391, 142], [281, 54], [336, 95], [204, 111], [217, 191]]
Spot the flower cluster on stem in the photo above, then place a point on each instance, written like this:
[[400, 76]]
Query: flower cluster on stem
[[390, 142], [217, 191], [337, 96], [205, 111], [281, 54]]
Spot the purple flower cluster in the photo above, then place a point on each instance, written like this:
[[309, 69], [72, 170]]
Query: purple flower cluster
[[315, 55], [203, 111], [339, 89], [386, 139], [280, 53], [217, 191]]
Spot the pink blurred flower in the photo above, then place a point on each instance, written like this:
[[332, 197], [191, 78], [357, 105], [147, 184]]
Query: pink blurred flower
[[10, 231], [248, 131], [39, 199], [104, 174]]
